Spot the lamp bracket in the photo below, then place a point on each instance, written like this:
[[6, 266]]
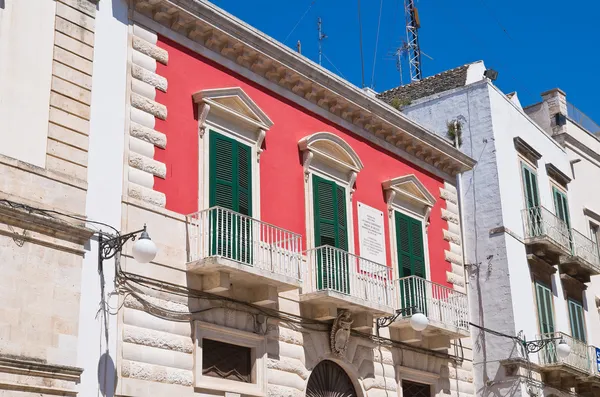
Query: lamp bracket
[[384, 322], [534, 346]]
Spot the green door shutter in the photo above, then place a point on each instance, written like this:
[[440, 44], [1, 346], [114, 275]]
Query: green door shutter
[[329, 202], [530, 187], [577, 322], [230, 174], [545, 308], [230, 187], [411, 252], [561, 206], [411, 262]]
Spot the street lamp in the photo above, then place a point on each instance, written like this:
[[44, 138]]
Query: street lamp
[[144, 249], [563, 350], [418, 321]]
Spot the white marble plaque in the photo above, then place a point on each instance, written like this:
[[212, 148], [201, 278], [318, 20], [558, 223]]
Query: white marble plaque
[[371, 233]]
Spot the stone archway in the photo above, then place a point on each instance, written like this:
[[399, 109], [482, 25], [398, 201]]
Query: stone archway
[[329, 380]]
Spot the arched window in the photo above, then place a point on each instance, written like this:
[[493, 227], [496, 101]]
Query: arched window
[[329, 380]]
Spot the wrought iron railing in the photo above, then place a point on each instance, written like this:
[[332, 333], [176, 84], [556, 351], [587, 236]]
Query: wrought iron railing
[[578, 358], [439, 303], [585, 249], [334, 269], [220, 232], [540, 222]]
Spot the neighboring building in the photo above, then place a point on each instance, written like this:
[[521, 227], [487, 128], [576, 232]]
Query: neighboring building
[[46, 52], [578, 134], [291, 211], [528, 256]]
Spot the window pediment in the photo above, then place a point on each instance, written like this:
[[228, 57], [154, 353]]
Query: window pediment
[[408, 189], [232, 103], [331, 149]]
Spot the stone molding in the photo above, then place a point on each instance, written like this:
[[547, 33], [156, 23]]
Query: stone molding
[[220, 32], [44, 224], [144, 110], [23, 372]]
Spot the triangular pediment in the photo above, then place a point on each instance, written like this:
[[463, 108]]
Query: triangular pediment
[[235, 102], [409, 187]]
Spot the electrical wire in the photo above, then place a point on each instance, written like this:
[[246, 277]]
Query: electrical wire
[[335, 67], [124, 281], [300, 20], [376, 44], [360, 40]]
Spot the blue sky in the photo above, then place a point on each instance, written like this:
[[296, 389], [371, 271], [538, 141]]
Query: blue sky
[[535, 45]]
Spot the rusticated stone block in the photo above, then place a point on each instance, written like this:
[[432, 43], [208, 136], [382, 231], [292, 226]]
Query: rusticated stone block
[[149, 77], [149, 106], [151, 50]]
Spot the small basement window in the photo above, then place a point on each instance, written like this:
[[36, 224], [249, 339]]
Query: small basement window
[[226, 361]]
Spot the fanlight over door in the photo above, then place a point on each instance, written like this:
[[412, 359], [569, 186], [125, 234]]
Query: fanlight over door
[[329, 380]]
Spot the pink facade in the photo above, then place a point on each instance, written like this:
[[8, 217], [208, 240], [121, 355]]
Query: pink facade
[[282, 186]]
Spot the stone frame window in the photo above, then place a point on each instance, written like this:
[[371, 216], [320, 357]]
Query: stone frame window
[[406, 195], [329, 157], [258, 352], [231, 113]]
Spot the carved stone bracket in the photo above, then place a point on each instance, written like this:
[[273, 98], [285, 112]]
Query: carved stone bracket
[[205, 108], [307, 157], [340, 333]]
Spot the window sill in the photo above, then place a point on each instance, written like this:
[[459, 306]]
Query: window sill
[[226, 385]]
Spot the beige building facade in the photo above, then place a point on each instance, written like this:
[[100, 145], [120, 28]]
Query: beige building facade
[[46, 55]]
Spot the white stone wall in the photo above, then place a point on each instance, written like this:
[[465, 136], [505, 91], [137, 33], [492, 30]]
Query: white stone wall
[[43, 165]]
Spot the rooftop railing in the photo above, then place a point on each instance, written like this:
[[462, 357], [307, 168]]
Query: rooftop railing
[[582, 119]]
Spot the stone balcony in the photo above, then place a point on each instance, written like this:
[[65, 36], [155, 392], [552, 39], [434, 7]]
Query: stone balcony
[[338, 280], [569, 372], [551, 239], [546, 235], [446, 309], [583, 261], [253, 259]]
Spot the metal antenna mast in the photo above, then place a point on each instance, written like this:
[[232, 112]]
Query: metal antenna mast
[[322, 36], [412, 36]]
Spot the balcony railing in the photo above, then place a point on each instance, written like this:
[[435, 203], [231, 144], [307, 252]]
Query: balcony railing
[[441, 304], [220, 232], [585, 249], [580, 118], [595, 359], [333, 269], [578, 358], [539, 222]]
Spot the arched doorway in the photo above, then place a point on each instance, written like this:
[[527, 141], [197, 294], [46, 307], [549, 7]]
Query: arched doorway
[[329, 380]]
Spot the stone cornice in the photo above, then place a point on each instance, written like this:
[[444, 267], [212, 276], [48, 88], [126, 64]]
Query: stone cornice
[[26, 366], [222, 33], [45, 224]]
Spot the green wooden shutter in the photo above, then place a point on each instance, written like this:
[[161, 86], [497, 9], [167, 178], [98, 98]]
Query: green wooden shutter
[[577, 321], [409, 240], [545, 308], [244, 182], [230, 174], [530, 187], [561, 206], [326, 225], [329, 202]]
